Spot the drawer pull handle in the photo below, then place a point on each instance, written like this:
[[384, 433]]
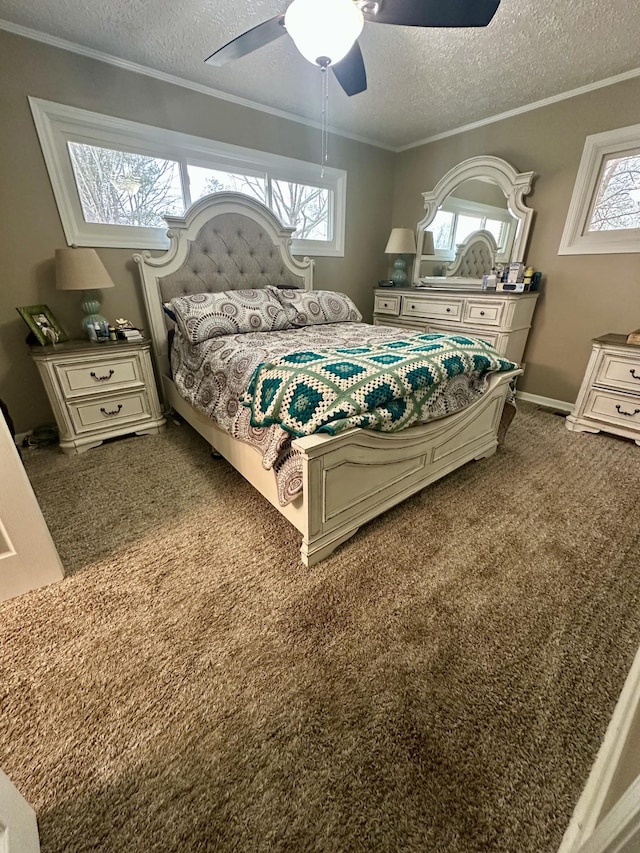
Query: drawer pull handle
[[101, 378], [628, 414], [482, 313], [112, 412], [448, 310], [384, 305], [632, 371]]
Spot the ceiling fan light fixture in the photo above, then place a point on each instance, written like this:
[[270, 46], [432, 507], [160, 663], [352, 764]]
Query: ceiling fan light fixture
[[323, 30]]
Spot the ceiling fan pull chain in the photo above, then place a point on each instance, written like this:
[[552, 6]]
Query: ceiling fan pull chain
[[324, 125]]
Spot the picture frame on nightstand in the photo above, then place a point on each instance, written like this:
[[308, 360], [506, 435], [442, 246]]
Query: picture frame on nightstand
[[43, 325]]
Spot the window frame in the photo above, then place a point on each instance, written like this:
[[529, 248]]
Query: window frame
[[56, 124], [576, 239]]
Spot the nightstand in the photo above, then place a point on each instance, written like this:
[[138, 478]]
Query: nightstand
[[609, 398], [99, 390]]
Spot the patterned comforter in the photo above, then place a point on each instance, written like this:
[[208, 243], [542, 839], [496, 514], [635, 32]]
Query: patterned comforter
[[385, 386], [215, 375]]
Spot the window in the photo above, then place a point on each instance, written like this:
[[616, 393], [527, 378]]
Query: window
[[457, 218], [604, 214], [114, 180]]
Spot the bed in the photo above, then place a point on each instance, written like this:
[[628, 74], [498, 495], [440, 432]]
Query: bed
[[229, 242]]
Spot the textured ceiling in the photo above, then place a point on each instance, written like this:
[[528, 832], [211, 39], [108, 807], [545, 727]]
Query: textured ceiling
[[422, 82]]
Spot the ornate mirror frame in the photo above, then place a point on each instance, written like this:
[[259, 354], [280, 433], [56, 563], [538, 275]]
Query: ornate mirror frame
[[515, 186]]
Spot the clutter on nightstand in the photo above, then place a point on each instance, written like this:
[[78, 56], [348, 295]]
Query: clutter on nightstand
[[125, 331]]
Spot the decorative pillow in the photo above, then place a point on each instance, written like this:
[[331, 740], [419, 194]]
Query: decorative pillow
[[313, 307], [201, 316]]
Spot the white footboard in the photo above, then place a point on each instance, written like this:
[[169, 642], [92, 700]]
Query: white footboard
[[357, 475], [352, 477]]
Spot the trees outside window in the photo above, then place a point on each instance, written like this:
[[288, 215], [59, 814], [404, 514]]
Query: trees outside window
[[122, 188], [617, 204]]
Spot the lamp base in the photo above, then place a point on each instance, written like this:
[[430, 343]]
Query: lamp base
[[399, 275], [95, 326]]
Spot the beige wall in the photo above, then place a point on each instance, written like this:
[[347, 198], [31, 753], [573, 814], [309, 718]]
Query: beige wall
[[583, 296], [30, 226]]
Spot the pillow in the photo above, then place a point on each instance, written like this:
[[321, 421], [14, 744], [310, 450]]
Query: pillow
[[201, 316], [313, 307]]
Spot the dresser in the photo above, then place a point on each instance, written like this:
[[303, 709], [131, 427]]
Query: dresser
[[501, 319], [99, 390], [609, 398]]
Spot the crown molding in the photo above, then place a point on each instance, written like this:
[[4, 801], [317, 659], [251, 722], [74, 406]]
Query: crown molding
[[126, 65], [535, 105]]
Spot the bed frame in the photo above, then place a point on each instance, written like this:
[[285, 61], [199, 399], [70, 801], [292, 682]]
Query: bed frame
[[228, 241]]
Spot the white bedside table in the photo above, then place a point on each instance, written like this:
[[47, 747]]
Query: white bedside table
[[609, 399], [99, 391]]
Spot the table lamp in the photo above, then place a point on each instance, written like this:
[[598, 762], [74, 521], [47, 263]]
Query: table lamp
[[82, 269], [401, 242]]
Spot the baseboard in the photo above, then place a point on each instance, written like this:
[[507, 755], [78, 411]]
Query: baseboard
[[587, 811], [547, 402]]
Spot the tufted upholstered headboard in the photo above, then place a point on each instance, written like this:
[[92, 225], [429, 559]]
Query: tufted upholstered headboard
[[475, 256], [225, 241]]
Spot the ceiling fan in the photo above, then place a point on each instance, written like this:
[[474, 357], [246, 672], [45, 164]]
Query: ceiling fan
[[326, 31]]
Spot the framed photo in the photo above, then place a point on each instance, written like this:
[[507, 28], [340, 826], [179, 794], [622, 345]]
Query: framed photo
[[43, 324]]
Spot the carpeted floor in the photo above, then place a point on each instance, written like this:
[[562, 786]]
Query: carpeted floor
[[440, 684]]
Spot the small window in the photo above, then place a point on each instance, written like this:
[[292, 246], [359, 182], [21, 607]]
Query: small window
[[122, 188], [114, 180], [304, 207], [604, 214], [203, 181], [617, 203]]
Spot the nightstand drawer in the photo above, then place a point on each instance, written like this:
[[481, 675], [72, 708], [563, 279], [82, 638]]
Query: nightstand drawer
[[483, 313], [109, 412], [100, 376], [387, 303], [615, 408], [449, 310], [620, 371]]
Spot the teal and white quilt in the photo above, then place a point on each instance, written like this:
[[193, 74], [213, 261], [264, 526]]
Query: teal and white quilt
[[386, 386]]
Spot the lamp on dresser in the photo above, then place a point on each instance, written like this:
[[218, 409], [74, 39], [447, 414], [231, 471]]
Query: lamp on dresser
[[82, 269], [401, 242]]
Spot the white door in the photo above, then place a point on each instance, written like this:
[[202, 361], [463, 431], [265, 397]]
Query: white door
[[18, 825], [28, 557]]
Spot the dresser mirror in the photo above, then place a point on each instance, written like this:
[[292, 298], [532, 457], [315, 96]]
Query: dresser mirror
[[478, 218]]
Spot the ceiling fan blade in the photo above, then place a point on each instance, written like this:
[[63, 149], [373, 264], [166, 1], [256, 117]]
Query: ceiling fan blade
[[246, 43], [430, 13], [350, 71]]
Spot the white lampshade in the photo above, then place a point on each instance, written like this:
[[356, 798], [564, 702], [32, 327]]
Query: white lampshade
[[80, 269], [428, 247], [401, 241], [323, 29]]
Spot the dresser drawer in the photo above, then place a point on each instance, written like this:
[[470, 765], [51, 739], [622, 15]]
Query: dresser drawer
[[619, 371], [490, 337], [387, 303], [614, 408], [109, 412], [483, 313], [99, 376], [449, 310]]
